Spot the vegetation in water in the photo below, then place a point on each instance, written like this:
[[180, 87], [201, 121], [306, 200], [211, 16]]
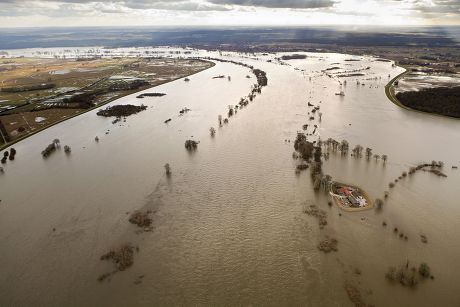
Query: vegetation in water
[[121, 110], [407, 275], [191, 145]]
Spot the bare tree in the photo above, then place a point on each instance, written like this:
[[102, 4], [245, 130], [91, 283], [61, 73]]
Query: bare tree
[[219, 118], [368, 153], [384, 158], [168, 169]]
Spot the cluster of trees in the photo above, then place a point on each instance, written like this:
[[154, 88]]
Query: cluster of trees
[[441, 100], [409, 276], [293, 57], [357, 151], [261, 75], [311, 153], [121, 110], [212, 131], [55, 144], [191, 145], [256, 88], [151, 95], [11, 155]]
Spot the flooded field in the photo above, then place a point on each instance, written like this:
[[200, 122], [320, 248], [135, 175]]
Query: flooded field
[[416, 81], [229, 225]]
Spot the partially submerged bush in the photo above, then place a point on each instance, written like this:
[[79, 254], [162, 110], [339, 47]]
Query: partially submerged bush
[[12, 153], [168, 169], [191, 145], [328, 245], [379, 203], [122, 257], [407, 275], [424, 270], [49, 149], [141, 219], [321, 215]]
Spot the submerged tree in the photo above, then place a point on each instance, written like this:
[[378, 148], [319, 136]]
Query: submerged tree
[[384, 158], [212, 131], [168, 169], [368, 153], [378, 203], [344, 146], [357, 151], [219, 118], [386, 194], [304, 147], [191, 145], [230, 111], [317, 181]]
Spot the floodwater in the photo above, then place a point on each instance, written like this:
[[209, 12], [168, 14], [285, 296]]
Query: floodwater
[[229, 227]]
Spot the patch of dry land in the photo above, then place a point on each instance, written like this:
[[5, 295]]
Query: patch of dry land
[[350, 198], [36, 93]]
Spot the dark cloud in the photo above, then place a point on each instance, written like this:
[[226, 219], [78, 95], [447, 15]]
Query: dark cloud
[[297, 4], [191, 5], [19, 7], [421, 9], [172, 5]]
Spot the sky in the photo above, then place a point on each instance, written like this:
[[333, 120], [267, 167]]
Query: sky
[[59, 13]]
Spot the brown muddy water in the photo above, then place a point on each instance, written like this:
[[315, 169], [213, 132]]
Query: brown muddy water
[[228, 225]]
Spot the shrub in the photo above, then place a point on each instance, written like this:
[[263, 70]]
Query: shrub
[[379, 203], [191, 145], [424, 270]]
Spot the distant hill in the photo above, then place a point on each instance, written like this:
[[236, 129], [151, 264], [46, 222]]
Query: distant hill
[[214, 36]]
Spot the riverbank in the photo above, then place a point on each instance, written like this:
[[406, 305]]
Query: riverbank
[[161, 82], [389, 90]]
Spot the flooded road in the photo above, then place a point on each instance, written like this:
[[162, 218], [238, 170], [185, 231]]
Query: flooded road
[[229, 224]]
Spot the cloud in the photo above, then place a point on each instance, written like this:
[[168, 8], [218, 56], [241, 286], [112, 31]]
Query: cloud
[[215, 12], [113, 6], [296, 4]]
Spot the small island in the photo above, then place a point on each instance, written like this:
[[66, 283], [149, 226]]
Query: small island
[[121, 110], [151, 95], [350, 198]]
